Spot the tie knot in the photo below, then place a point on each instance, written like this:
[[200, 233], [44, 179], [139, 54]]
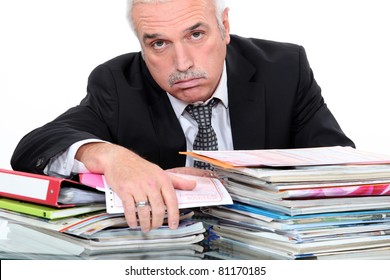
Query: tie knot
[[202, 113]]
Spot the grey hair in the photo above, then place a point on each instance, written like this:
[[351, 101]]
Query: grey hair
[[219, 5]]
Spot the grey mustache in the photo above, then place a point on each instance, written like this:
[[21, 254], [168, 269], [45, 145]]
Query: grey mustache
[[182, 76]]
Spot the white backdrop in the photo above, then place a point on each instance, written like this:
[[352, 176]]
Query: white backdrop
[[48, 48]]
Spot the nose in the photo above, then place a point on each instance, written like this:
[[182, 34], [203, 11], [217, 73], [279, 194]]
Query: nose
[[182, 57]]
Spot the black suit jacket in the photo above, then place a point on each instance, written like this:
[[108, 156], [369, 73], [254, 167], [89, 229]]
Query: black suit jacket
[[274, 102]]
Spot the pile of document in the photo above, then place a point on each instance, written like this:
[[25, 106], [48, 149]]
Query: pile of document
[[44, 217], [317, 203], [96, 235]]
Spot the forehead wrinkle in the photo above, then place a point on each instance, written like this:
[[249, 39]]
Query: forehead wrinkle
[[149, 22], [148, 36]]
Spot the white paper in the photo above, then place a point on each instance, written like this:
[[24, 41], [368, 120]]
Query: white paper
[[208, 192]]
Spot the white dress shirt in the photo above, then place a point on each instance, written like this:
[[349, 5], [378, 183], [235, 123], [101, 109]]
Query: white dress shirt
[[220, 120], [65, 164]]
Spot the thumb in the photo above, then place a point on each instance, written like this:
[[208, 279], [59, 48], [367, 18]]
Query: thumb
[[182, 184], [191, 171]]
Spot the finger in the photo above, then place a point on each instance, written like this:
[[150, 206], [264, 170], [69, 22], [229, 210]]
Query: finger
[[170, 198], [158, 208], [190, 171], [158, 215], [193, 171], [143, 212], [130, 213], [181, 183]]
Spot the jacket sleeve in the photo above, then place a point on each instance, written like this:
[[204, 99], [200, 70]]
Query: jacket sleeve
[[313, 123]]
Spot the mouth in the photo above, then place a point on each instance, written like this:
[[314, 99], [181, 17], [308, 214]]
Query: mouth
[[187, 83], [188, 79]]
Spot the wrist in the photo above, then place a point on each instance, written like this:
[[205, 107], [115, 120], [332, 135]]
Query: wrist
[[95, 156], [98, 157]]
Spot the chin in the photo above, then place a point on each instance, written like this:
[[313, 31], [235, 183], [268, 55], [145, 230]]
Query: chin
[[191, 96]]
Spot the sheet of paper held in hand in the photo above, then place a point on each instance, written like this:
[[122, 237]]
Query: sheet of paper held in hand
[[208, 192], [289, 157]]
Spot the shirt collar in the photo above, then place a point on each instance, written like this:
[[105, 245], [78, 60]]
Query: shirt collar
[[220, 93]]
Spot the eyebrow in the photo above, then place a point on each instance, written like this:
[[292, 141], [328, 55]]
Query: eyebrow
[[195, 26], [148, 36]]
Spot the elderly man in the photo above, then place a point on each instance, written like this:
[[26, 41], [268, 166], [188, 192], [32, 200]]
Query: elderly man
[[135, 118]]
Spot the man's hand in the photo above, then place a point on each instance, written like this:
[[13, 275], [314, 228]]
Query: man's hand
[[136, 180]]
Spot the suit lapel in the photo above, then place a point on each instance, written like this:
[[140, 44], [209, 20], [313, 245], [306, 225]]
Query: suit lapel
[[246, 104], [169, 134]]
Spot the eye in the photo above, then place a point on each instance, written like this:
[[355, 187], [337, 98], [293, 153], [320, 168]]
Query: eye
[[197, 35], [158, 45]]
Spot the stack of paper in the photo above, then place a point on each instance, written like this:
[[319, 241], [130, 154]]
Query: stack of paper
[[96, 236], [36, 222], [330, 202]]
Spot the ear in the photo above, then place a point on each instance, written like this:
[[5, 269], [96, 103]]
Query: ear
[[226, 24]]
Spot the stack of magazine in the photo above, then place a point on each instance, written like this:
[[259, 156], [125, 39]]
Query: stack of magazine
[[316, 203], [97, 235], [44, 217]]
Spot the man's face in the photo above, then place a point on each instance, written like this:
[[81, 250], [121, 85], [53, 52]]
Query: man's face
[[183, 46]]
